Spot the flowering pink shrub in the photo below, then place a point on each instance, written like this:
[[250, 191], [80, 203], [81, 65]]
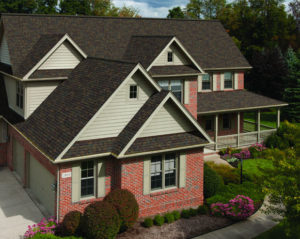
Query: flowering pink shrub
[[244, 154], [45, 226], [258, 147], [239, 208]]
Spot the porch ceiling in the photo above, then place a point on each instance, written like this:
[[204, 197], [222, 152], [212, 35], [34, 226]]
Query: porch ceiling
[[237, 100]]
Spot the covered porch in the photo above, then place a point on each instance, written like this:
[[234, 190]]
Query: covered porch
[[237, 122]]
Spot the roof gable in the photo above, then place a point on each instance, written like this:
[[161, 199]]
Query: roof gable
[[207, 41]]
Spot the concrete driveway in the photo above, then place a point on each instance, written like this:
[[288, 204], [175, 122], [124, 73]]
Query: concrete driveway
[[17, 210]]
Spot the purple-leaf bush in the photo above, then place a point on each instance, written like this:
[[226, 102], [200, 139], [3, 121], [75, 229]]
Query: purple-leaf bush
[[244, 154], [45, 226], [239, 208], [259, 147]]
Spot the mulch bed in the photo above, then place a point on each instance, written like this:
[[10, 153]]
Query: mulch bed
[[183, 228]]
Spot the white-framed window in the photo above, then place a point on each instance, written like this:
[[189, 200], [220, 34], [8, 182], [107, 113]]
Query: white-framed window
[[163, 171], [170, 56], [226, 121], [133, 92], [87, 179], [228, 80], [19, 94], [176, 86], [207, 81]]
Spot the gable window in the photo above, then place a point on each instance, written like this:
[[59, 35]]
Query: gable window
[[209, 124], [170, 56], [133, 92], [206, 81], [87, 178], [228, 80], [163, 171], [19, 94], [226, 121], [173, 85]]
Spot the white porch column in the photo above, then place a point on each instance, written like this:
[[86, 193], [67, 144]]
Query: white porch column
[[278, 118], [216, 130], [258, 126], [238, 128]]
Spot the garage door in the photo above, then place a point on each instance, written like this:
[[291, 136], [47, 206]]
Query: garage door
[[40, 184], [18, 158]]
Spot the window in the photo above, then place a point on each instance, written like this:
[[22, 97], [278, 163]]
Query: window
[[19, 95], [173, 85], [163, 171], [170, 56], [87, 178], [226, 122], [228, 81], [206, 81], [209, 124], [133, 92]]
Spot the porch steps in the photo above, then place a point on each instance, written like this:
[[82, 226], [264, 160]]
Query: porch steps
[[215, 157]]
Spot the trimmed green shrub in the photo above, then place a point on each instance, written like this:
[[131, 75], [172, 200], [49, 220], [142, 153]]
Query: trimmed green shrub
[[51, 236], [169, 218], [126, 205], [159, 220], [148, 222], [228, 174], [202, 209], [101, 221], [185, 213], [176, 215], [193, 212], [212, 181], [71, 223]]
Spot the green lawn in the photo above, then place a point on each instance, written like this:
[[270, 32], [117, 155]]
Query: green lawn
[[277, 232], [251, 167]]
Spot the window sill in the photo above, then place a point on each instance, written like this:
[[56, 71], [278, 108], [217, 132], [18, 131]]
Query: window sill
[[85, 200], [204, 91], [163, 191]]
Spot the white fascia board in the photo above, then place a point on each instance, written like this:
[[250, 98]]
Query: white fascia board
[[146, 74], [65, 37], [174, 39], [228, 68]]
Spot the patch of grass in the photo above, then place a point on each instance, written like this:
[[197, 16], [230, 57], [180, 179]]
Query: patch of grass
[[251, 167], [278, 232]]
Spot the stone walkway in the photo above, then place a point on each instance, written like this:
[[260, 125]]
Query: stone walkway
[[252, 227]]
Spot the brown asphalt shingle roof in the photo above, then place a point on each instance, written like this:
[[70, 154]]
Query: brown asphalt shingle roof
[[51, 73], [163, 142], [72, 104], [173, 70], [207, 41], [233, 100]]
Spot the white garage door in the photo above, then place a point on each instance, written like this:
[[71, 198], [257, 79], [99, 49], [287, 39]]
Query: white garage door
[[40, 183], [18, 158]]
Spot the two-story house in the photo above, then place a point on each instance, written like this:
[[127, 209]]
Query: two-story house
[[89, 104]]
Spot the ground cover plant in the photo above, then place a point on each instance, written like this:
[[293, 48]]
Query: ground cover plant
[[228, 174], [212, 181], [45, 226]]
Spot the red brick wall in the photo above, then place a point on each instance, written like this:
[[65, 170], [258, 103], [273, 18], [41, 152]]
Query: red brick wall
[[168, 200], [218, 81], [192, 106], [65, 189], [241, 80], [3, 151]]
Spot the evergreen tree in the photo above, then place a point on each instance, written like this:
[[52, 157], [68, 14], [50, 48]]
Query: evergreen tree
[[292, 92], [176, 12], [46, 6], [78, 7], [18, 6], [205, 9]]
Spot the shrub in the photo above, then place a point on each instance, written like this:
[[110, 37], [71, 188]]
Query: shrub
[[185, 213], [126, 205], [239, 208], [228, 174], [45, 226], [101, 221], [176, 215], [51, 236], [193, 212], [202, 209], [256, 150], [159, 220], [148, 222], [169, 218], [212, 181], [71, 222]]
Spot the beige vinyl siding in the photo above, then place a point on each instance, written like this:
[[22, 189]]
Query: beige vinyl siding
[[11, 88], [40, 184], [179, 57], [64, 57], [214, 82], [4, 53], [37, 92], [168, 120], [116, 115], [236, 80]]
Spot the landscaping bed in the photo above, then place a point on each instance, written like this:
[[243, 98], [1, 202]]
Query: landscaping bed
[[183, 228]]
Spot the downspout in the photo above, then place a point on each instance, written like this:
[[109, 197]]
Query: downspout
[[57, 193]]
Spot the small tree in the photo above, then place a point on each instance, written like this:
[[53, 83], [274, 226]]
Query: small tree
[[175, 12]]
